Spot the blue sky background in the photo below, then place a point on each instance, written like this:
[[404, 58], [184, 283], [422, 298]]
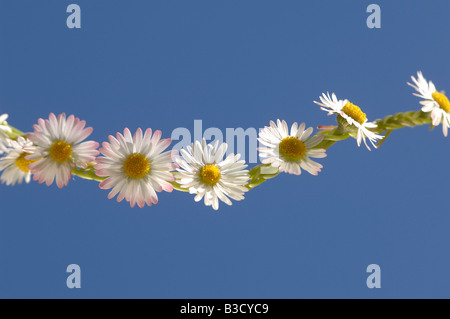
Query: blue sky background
[[162, 64]]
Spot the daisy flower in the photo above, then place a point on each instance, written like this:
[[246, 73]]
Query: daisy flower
[[136, 166], [205, 173], [14, 164], [4, 128], [58, 148], [290, 150], [435, 102], [353, 115]]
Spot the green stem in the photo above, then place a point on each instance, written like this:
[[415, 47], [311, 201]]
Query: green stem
[[388, 132], [400, 120], [331, 136], [257, 176], [15, 133], [178, 187], [88, 173]]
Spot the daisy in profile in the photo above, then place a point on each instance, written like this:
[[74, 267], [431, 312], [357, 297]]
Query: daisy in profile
[[59, 148], [136, 166], [292, 150], [353, 116], [4, 128], [435, 102], [205, 173], [14, 164]]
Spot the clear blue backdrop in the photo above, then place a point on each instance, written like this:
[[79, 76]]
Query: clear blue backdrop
[[162, 64]]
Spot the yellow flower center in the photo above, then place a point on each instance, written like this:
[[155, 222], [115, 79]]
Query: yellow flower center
[[442, 100], [292, 149], [23, 163], [354, 112], [136, 165], [210, 174], [61, 151]]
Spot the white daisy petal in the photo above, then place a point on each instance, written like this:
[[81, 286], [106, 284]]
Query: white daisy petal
[[352, 115], [205, 173], [14, 164], [290, 153], [435, 103], [58, 148], [4, 129], [136, 167]]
